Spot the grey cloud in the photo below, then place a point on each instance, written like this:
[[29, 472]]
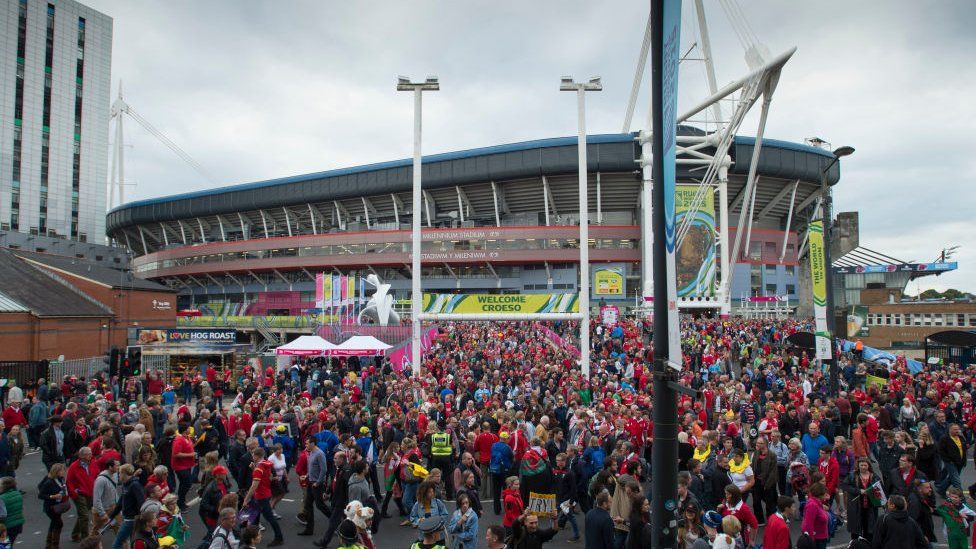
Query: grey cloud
[[256, 90]]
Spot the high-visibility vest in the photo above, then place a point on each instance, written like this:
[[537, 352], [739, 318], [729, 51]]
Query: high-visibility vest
[[440, 444], [416, 545]]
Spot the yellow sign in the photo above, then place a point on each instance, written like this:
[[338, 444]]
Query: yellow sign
[[500, 303], [608, 281], [542, 505], [875, 381]]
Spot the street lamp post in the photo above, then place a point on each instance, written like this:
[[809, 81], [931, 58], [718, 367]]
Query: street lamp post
[[594, 84], [404, 84], [828, 268]]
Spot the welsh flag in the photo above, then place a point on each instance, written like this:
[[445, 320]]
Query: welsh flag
[[876, 495]]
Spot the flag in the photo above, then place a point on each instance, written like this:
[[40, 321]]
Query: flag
[[334, 301], [876, 495], [351, 292], [538, 485]]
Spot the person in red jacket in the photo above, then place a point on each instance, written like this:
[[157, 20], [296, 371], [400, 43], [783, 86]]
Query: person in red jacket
[[739, 509], [512, 502], [777, 534], [13, 415], [81, 484], [830, 469]]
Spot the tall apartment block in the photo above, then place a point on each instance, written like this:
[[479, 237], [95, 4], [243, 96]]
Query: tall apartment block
[[55, 62]]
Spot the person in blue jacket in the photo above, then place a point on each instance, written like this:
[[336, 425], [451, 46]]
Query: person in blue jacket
[[327, 441], [502, 458], [370, 452]]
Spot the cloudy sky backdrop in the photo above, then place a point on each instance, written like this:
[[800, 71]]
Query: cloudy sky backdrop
[[257, 90]]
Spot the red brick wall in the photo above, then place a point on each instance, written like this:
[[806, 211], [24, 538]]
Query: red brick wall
[[26, 337]]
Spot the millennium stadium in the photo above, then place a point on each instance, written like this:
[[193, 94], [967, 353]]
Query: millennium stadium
[[498, 219]]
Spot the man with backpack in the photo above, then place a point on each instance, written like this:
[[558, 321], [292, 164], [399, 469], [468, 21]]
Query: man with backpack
[[502, 458]]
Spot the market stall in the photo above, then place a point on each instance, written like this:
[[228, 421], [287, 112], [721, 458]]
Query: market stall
[[304, 346], [178, 352], [360, 346]]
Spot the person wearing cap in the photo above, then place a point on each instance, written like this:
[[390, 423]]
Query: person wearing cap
[[52, 442], [502, 457], [217, 488], [431, 529], [368, 448], [348, 535], [712, 521]]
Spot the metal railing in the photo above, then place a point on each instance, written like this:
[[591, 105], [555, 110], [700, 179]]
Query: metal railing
[[77, 367]]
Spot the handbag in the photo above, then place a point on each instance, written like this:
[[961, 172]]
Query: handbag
[[249, 514], [61, 506]]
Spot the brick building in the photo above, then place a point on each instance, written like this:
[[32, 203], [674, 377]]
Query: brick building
[[56, 305]]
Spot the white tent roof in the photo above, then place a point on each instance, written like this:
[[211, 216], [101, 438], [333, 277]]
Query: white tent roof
[[360, 346], [306, 345]]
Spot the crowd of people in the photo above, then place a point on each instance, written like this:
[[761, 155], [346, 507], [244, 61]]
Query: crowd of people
[[497, 407]]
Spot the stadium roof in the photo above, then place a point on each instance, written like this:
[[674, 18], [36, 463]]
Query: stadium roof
[[42, 293], [606, 152]]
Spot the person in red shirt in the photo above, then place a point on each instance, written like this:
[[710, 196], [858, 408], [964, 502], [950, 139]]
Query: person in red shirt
[[830, 469], [182, 462], [81, 484], [482, 447], [260, 493], [777, 533]]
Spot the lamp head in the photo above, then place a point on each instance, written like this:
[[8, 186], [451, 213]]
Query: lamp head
[[843, 151]]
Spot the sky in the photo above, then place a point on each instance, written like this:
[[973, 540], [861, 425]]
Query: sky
[[258, 90]]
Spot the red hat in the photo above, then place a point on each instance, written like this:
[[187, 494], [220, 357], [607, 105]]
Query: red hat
[[220, 470]]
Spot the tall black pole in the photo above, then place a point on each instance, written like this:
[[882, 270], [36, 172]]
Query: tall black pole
[[832, 366], [664, 454]]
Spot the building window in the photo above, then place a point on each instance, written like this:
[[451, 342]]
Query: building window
[[790, 270], [46, 118], [76, 161], [770, 289], [770, 270], [755, 251], [755, 276], [897, 319], [790, 289], [887, 320]]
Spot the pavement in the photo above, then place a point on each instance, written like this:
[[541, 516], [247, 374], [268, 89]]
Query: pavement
[[390, 536]]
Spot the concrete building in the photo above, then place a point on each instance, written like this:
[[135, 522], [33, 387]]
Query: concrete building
[[55, 62]]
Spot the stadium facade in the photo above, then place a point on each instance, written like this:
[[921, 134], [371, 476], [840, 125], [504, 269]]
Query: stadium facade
[[496, 219]]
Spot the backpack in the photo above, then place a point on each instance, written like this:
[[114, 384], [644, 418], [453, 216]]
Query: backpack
[[594, 463], [799, 476]]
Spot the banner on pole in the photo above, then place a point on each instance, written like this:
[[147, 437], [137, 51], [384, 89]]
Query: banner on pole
[[696, 255], [818, 275], [500, 303], [671, 22]]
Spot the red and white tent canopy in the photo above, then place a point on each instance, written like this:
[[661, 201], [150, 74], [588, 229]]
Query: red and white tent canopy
[[360, 346], [306, 345]]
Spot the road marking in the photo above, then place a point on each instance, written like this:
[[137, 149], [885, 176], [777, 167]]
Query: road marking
[[288, 500]]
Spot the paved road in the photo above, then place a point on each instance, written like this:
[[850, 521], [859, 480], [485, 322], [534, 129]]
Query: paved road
[[391, 536]]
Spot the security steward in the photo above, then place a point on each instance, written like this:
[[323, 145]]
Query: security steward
[[432, 529], [442, 456]]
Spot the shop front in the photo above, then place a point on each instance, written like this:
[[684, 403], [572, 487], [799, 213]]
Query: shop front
[[176, 353]]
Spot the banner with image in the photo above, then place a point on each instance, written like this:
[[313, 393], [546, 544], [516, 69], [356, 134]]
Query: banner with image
[[818, 275], [500, 303], [695, 262], [608, 281], [857, 322]]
